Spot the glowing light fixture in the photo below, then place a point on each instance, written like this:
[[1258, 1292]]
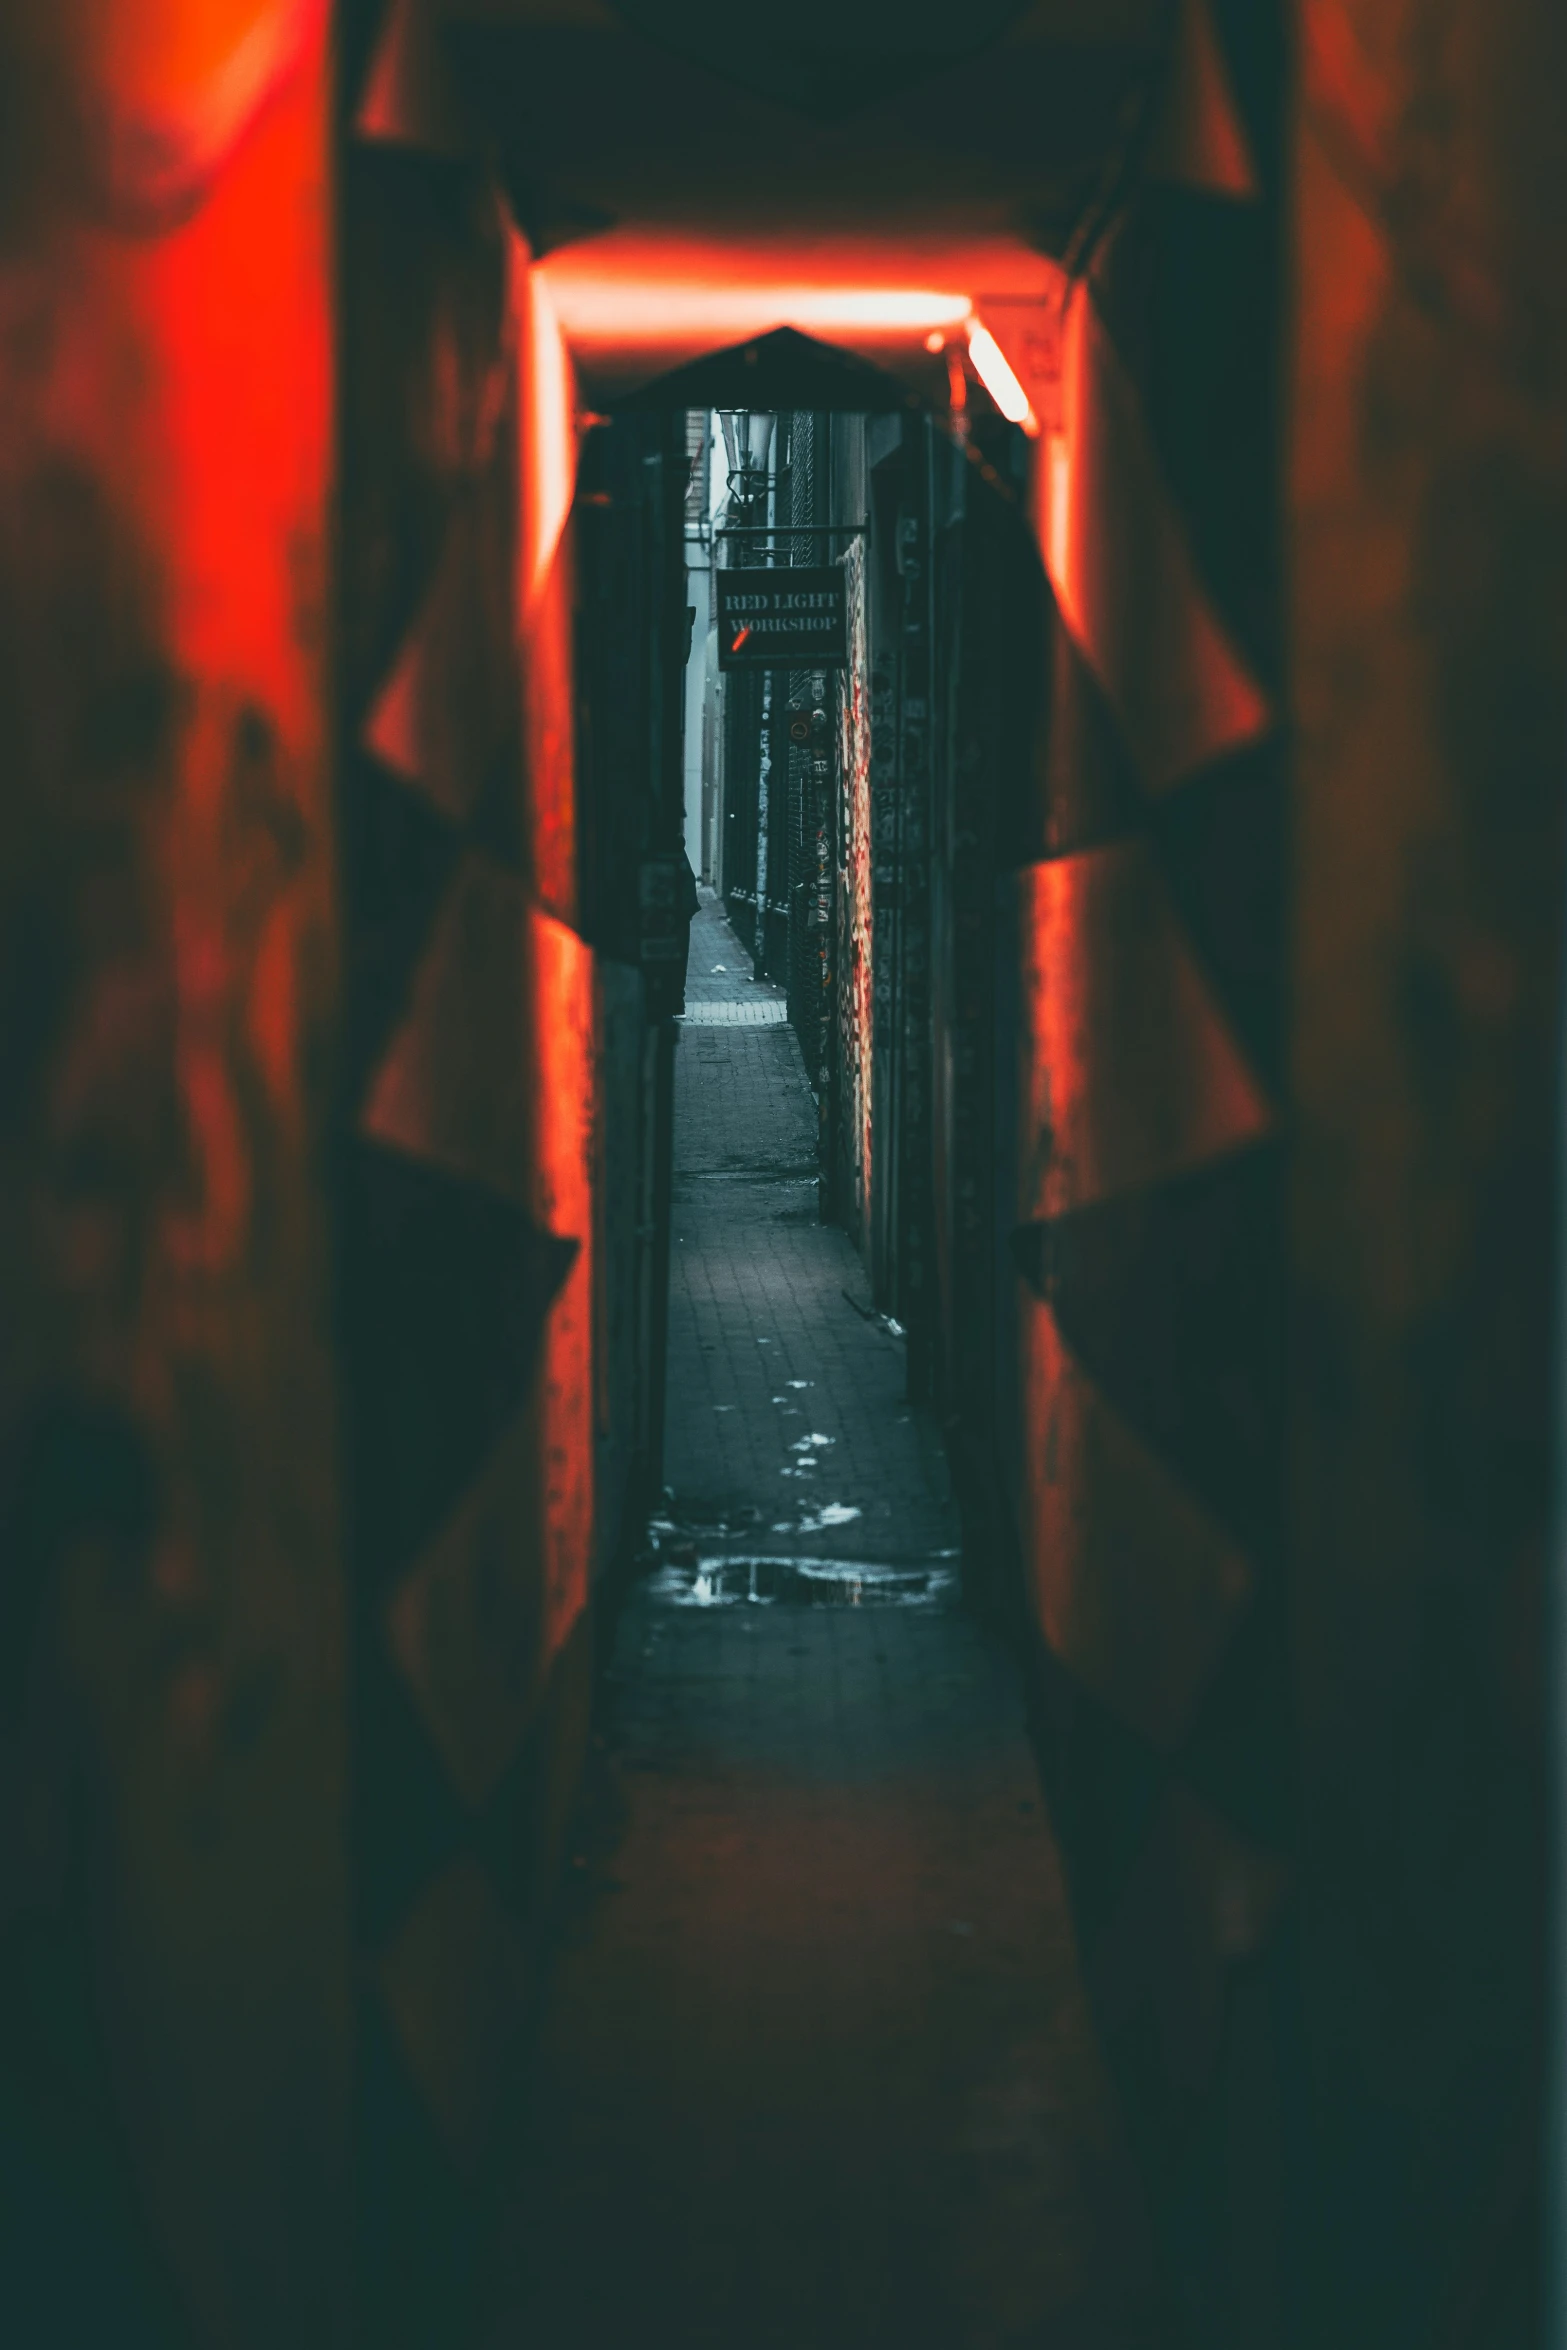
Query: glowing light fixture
[[610, 308], [990, 365]]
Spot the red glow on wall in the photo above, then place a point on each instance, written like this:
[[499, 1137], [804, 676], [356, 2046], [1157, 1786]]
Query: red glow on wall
[[245, 440], [1128, 1073], [564, 1080], [638, 302], [1118, 560], [547, 424], [168, 90], [547, 447]]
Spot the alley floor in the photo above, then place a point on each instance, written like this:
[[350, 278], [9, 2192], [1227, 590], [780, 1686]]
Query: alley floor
[[816, 2070]]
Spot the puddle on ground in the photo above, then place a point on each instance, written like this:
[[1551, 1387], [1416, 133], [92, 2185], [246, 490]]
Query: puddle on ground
[[764, 1582], [831, 1513]]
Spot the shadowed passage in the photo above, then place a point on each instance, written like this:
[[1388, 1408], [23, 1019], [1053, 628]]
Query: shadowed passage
[[817, 2069]]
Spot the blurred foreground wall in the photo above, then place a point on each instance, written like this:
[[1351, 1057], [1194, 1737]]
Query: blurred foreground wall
[[172, 1916], [1427, 493], [498, 1185], [1288, 1157]]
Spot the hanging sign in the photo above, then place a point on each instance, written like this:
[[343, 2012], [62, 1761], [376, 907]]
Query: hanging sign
[[790, 618]]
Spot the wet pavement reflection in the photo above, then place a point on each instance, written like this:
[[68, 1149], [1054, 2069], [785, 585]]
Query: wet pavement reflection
[[802, 1582]]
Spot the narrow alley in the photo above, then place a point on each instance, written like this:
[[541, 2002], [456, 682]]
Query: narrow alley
[[818, 2069], [789, 1438], [782, 1167]]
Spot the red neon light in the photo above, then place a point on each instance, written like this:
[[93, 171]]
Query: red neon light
[[740, 639]]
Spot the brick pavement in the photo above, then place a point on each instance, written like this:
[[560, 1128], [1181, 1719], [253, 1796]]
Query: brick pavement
[[786, 1393], [719, 970], [817, 2072], [762, 1014]]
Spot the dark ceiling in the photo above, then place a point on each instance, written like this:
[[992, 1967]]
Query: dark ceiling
[[992, 118]]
